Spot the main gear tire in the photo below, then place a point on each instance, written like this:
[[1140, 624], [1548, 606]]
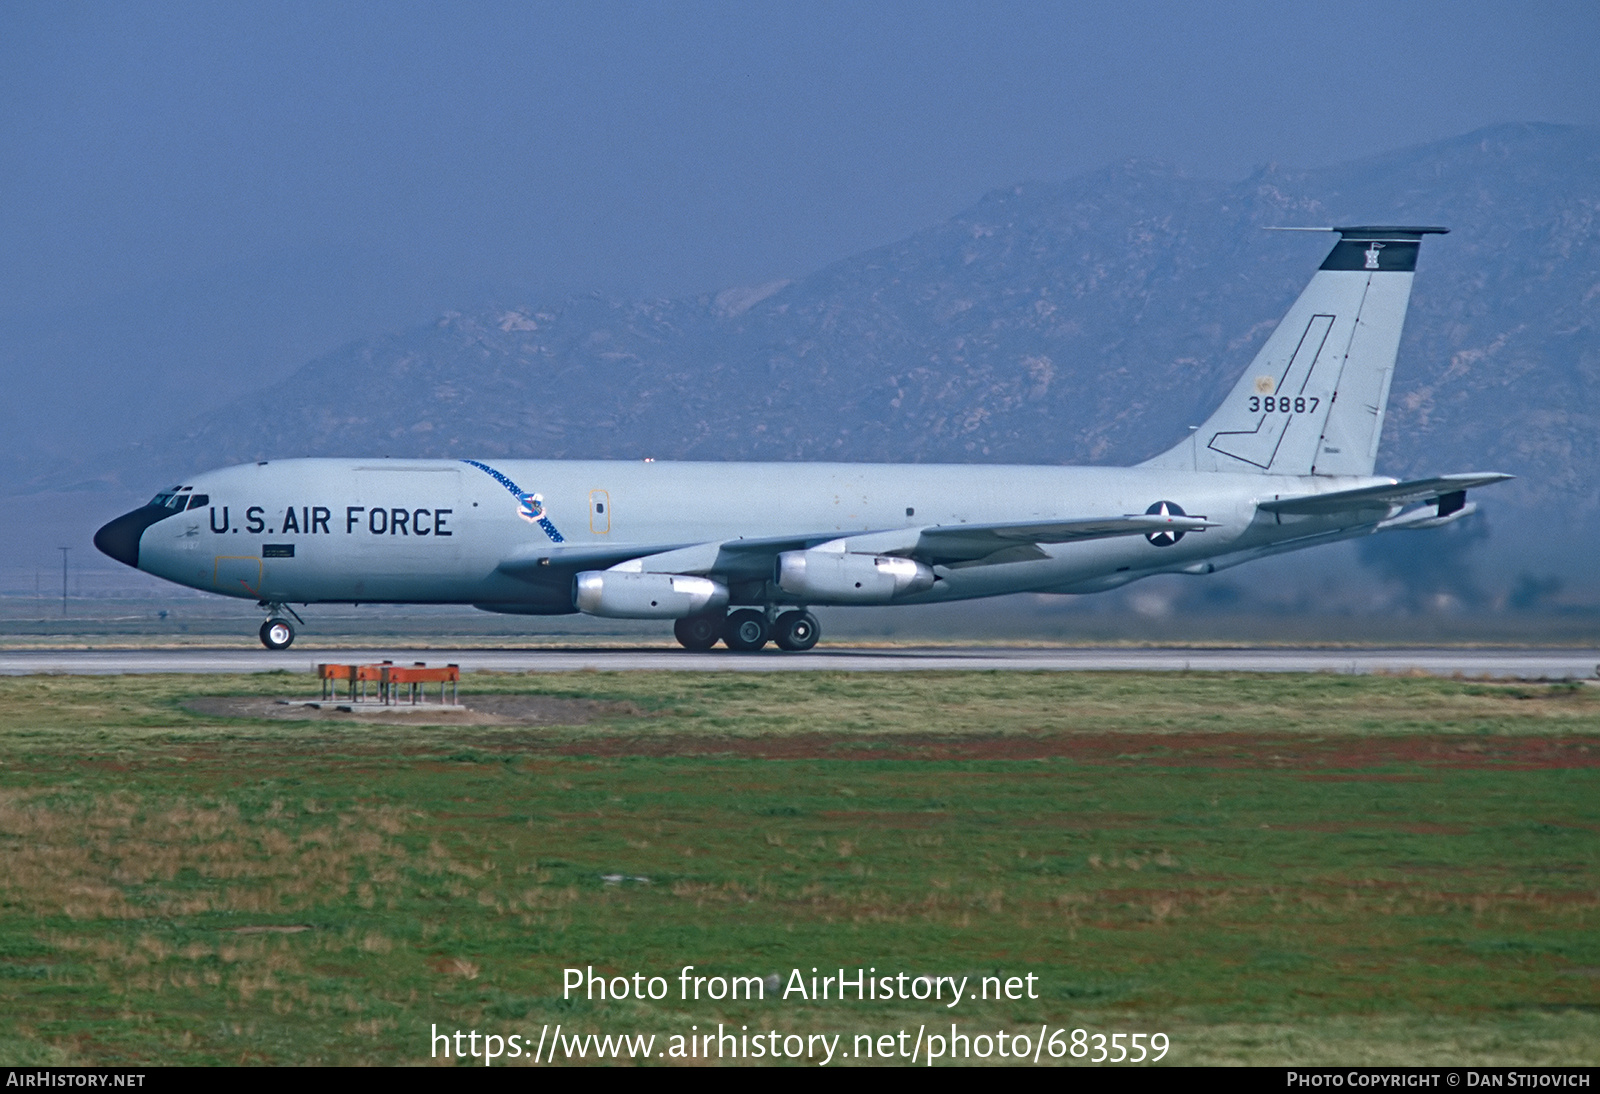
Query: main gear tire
[[277, 634], [746, 630], [796, 631], [698, 632]]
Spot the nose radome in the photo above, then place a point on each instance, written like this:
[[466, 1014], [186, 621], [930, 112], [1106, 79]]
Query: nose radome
[[119, 539]]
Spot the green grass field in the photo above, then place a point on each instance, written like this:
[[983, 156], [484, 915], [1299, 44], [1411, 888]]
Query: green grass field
[[1268, 869]]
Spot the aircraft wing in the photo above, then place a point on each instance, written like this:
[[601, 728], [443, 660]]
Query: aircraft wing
[[956, 543], [552, 561], [1381, 498], [734, 557], [937, 544]]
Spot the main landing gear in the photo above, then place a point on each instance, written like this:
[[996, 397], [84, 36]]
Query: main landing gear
[[277, 633], [748, 630], [796, 632], [698, 632]]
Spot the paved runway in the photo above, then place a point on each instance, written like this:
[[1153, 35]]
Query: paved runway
[[1523, 663]]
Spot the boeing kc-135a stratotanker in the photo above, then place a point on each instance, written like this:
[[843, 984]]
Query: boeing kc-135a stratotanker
[[1284, 463]]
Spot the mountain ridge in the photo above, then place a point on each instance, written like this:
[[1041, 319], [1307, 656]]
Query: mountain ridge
[[1089, 320]]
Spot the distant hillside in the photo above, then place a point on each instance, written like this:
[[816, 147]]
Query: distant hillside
[[1087, 321]]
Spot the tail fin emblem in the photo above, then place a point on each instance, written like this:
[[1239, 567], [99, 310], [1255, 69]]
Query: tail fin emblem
[[1372, 255]]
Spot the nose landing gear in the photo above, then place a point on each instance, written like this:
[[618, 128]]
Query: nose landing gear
[[277, 633]]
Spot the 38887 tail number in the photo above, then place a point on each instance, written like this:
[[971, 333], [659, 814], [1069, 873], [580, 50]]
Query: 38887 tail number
[[1285, 404]]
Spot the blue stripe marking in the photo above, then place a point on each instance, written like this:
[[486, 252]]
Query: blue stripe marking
[[497, 477], [524, 501]]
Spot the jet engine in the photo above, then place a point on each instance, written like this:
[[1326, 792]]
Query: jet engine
[[829, 577], [620, 595]]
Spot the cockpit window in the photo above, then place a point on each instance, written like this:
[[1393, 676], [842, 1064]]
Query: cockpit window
[[198, 500], [168, 500]]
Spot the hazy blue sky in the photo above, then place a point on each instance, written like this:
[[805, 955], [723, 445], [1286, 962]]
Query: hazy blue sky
[[198, 197]]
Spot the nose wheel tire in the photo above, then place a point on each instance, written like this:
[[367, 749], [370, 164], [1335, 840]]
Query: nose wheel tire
[[746, 630], [698, 632], [796, 631], [277, 634]]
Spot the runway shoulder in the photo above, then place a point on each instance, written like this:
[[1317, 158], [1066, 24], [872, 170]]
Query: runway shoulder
[[1501, 663]]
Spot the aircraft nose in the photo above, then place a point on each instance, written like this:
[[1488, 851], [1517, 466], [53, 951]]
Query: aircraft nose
[[119, 538]]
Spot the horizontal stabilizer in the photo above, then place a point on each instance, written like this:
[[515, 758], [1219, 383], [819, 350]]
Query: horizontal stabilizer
[[1380, 498], [1419, 519]]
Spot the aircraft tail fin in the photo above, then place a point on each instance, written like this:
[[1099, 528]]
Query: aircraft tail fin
[[1312, 402]]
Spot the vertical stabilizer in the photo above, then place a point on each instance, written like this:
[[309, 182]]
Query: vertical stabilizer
[[1312, 402]]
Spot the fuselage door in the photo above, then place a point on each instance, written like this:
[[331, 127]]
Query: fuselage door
[[599, 512]]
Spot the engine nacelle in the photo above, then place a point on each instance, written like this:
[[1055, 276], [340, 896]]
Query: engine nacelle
[[619, 595], [829, 577]]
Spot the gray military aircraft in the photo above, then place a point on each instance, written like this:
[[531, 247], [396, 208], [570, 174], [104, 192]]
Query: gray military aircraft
[[1284, 463]]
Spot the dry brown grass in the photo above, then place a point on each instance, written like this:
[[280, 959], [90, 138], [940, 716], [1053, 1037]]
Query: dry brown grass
[[113, 856]]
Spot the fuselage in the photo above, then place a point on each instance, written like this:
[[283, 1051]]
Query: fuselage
[[1284, 462], [444, 531]]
